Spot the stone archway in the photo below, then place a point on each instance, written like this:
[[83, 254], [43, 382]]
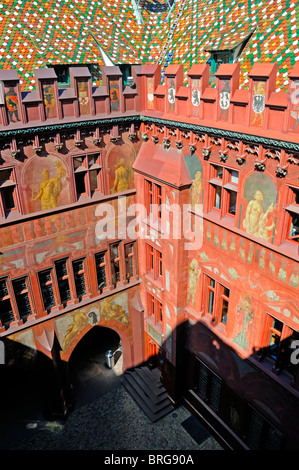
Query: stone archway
[[88, 372]]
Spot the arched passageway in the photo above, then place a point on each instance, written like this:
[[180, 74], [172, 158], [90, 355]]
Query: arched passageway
[[87, 367]]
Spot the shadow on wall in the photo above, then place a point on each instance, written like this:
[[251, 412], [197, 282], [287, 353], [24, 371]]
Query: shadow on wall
[[35, 389], [241, 401]]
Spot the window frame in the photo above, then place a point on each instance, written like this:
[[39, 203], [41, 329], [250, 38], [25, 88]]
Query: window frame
[[204, 389], [155, 309], [153, 199], [9, 296], [280, 359], [291, 209], [226, 187], [27, 291], [9, 183], [52, 283], [67, 277], [86, 170], [84, 272], [112, 260], [101, 265], [154, 262], [132, 256], [217, 291], [13, 299]]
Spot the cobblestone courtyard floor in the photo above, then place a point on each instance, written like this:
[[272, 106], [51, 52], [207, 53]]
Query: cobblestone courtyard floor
[[113, 422]]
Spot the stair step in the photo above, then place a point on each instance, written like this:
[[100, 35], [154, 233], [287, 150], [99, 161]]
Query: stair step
[[146, 388], [154, 406], [152, 416], [152, 378]]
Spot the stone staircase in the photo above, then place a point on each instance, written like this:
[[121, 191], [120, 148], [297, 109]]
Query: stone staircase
[[145, 387]]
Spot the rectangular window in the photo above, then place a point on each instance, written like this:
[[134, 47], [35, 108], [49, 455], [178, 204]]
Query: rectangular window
[[46, 284], [211, 295], [153, 198], [100, 260], [293, 219], [62, 274], [224, 296], [130, 261], [158, 190], [261, 435], [155, 309], [224, 189], [278, 339], [207, 384], [87, 174], [15, 300], [79, 276], [8, 189], [21, 292], [217, 300], [149, 196], [154, 262], [6, 310], [115, 264]]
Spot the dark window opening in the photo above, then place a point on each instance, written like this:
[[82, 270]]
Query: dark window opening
[[79, 275], [261, 435], [129, 260], [207, 385], [101, 270], [80, 183], [63, 281], [22, 297], [115, 266], [45, 279]]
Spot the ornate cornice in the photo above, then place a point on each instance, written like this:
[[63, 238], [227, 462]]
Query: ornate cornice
[[250, 138], [196, 128], [69, 125]]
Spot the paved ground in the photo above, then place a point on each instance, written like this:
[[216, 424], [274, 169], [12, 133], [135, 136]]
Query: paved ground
[[114, 422], [105, 417]]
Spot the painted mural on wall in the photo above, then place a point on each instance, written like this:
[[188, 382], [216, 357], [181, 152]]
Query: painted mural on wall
[[258, 104], [258, 218], [120, 161], [195, 95], [294, 101], [71, 325], [244, 322], [171, 95], [12, 105], [49, 99], [150, 92], [224, 98], [114, 95], [194, 167], [47, 185], [83, 97], [20, 349], [194, 273]]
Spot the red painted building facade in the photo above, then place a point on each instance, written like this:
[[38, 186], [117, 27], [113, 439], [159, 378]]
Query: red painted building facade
[[209, 281]]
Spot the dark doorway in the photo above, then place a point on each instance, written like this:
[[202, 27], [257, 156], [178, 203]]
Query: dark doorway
[[88, 371]]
